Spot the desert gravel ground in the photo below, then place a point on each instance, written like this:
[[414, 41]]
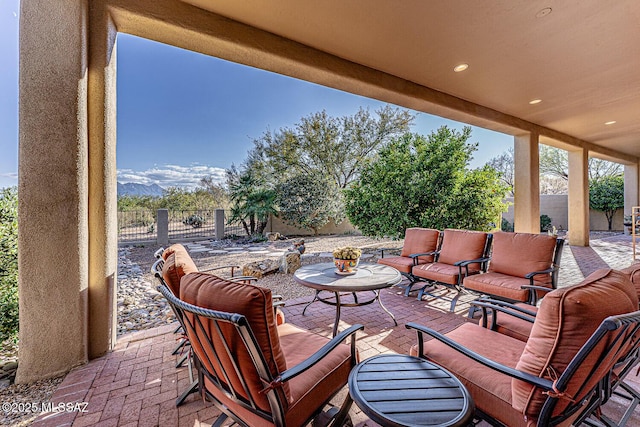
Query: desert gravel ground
[[317, 249]]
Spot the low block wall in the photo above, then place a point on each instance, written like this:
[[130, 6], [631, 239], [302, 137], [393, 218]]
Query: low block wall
[[556, 206]]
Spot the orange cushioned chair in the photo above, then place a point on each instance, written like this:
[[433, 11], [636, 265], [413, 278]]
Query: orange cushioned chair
[[257, 372], [420, 246], [516, 320], [520, 264], [171, 266], [462, 253], [555, 377]]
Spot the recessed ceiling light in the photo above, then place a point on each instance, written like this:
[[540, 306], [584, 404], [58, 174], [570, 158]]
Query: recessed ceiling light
[[535, 101], [460, 67], [610, 123], [543, 12]]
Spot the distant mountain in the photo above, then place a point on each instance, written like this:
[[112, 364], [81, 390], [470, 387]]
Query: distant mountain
[[133, 189]]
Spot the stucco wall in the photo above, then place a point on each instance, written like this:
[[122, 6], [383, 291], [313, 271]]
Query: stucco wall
[[556, 207]]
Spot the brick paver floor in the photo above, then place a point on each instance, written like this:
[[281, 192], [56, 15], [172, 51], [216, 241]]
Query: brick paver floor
[[137, 383]]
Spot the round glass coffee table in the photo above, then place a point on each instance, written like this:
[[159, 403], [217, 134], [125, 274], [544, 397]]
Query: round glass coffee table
[[368, 277]]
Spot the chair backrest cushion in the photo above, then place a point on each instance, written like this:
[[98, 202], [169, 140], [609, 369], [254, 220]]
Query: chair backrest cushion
[[420, 240], [517, 254], [566, 319], [459, 245], [634, 274], [176, 265], [256, 304], [171, 249]]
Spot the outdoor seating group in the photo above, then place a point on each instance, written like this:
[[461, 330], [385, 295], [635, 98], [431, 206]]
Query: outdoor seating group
[[528, 361], [514, 267]]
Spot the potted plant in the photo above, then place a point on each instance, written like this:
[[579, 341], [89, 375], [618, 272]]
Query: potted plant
[[346, 259]]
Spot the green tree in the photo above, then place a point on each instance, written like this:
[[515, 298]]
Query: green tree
[[8, 263], [309, 201], [337, 147], [424, 181], [503, 164], [555, 162], [606, 194], [252, 202]]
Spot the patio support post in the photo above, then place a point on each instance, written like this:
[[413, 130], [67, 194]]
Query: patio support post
[[631, 187], [527, 183], [103, 201], [53, 188], [578, 200], [219, 218], [163, 227]]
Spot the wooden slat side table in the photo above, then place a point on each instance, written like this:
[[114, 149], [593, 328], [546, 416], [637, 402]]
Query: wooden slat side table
[[401, 390]]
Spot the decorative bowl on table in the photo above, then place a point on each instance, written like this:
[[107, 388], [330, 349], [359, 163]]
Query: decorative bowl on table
[[346, 260]]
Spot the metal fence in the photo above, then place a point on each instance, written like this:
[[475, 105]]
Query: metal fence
[[142, 226], [191, 223], [137, 226]]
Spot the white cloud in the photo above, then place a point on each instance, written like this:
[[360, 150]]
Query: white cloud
[[172, 175]]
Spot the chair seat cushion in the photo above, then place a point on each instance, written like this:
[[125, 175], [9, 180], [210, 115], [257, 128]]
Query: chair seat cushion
[[501, 285], [308, 389], [491, 391], [440, 272], [401, 263], [319, 382]]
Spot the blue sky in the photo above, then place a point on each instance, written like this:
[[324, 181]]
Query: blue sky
[[182, 115]]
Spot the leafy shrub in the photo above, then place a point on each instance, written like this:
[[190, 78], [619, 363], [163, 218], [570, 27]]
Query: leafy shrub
[[194, 220], [419, 181], [309, 201], [506, 225], [8, 263], [545, 223]]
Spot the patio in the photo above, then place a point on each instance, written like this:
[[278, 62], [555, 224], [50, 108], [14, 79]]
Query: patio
[[137, 383]]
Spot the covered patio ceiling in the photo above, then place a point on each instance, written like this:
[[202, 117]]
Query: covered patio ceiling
[[580, 58]]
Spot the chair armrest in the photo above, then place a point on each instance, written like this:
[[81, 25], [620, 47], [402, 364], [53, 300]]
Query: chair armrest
[[232, 267], [418, 255], [535, 273], [321, 353], [414, 256], [495, 306], [158, 253], [242, 279], [381, 251], [513, 373], [533, 294], [466, 262], [505, 304]]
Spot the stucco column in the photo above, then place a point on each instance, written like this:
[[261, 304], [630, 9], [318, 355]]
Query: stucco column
[[53, 202], [578, 200], [103, 219], [631, 187], [526, 199]]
